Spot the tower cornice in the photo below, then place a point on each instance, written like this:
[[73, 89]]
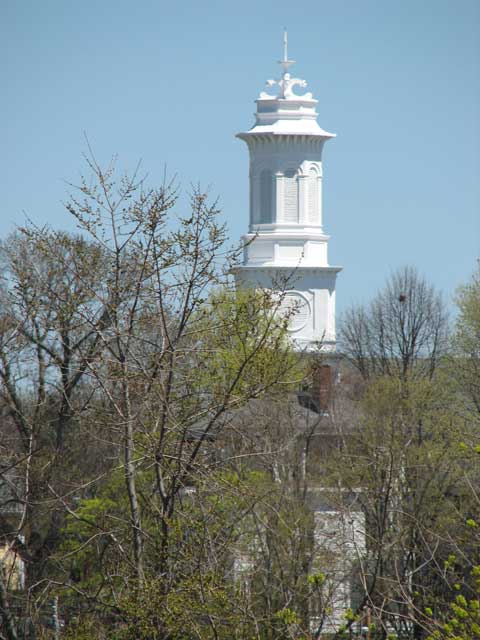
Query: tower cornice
[[292, 139], [287, 268]]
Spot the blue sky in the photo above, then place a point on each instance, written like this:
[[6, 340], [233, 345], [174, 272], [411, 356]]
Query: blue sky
[[170, 83]]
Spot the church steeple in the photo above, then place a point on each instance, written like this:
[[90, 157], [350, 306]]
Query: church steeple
[[286, 225]]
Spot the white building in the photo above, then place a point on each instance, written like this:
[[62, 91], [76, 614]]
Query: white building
[[286, 242], [286, 249]]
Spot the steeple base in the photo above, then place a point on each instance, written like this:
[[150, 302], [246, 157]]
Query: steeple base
[[308, 293]]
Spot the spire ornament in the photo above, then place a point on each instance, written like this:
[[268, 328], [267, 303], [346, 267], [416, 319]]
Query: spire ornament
[[286, 82], [286, 63]]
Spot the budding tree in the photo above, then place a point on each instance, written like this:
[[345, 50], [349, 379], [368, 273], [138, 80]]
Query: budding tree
[[402, 331], [132, 346]]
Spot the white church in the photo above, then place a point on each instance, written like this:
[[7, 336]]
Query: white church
[[286, 250], [286, 242]]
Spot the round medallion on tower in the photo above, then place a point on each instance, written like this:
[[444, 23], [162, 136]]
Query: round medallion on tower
[[296, 308]]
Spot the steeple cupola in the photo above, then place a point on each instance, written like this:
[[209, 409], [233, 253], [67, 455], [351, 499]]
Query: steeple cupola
[[286, 223], [287, 112]]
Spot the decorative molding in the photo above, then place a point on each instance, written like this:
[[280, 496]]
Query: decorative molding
[[302, 312]]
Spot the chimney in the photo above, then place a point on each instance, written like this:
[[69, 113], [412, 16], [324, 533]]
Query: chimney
[[322, 387]]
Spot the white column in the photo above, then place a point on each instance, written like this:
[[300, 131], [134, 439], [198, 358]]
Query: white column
[[319, 202], [254, 198]]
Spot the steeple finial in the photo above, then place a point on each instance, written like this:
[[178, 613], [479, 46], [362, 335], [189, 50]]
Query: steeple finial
[[286, 63], [286, 82]]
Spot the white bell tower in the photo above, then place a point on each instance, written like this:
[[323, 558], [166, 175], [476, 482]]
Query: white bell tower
[[285, 241]]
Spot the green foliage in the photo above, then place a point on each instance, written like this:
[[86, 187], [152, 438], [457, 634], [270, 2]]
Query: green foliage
[[91, 535], [405, 456], [88, 627], [244, 347], [350, 616], [203, 606], [463, 620], [317, 579], [232, 513], [287, 616], [465, 363]]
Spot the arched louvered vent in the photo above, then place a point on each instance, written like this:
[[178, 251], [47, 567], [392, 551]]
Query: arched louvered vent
[[266, 188], [313, 213], [291, 196]]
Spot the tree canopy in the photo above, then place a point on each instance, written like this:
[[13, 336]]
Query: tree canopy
[[170, 468]]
